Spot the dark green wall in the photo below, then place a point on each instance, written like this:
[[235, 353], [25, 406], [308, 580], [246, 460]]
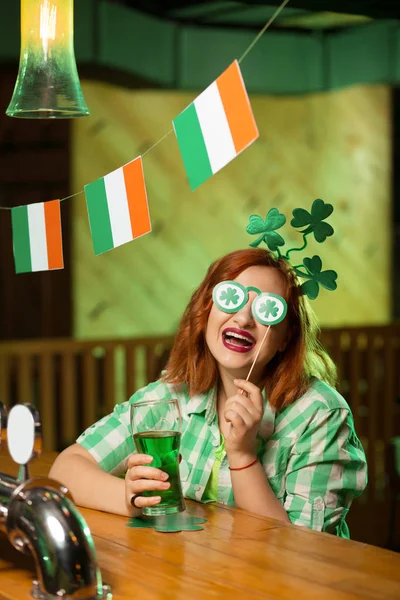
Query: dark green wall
[[161, 53]]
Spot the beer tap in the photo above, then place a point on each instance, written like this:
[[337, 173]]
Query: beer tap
[[39, 516]]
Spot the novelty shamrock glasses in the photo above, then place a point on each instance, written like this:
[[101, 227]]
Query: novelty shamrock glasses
[[267, 308], [312, 222]]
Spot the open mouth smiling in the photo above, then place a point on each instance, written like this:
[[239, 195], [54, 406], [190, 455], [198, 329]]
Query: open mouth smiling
[[238, 340]]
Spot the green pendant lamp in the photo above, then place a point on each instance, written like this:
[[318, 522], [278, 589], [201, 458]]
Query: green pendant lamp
[[47, 85]]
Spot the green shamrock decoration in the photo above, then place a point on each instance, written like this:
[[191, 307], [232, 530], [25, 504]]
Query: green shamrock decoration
[[257, 225], [315, 277], [314, 221], [168, 523], [228, 296], [269, 308], [311, 222]]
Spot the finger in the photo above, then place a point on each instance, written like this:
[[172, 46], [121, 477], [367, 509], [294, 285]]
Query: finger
[[237, 408], [254, 392], [242, 413], [237, 422], [147, 485], [139, 459], [142, 501], [242, 401], [142, 472]]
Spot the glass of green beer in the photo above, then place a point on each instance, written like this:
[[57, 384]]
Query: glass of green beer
[[156, 428]]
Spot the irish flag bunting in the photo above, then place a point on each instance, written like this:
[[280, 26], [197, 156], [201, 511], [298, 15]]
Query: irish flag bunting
[[37, 241], [117, 207], [216, 127], [212, 131]]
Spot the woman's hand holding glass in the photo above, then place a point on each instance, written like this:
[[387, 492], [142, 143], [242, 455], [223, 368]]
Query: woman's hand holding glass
[[244, 413], [156, 429], [141, 478]]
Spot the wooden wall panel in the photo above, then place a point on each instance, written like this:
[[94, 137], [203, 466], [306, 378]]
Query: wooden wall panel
[[335, 146], [34, 167]]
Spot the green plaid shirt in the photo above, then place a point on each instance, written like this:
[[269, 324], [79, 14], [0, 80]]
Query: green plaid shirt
[[311, 455]]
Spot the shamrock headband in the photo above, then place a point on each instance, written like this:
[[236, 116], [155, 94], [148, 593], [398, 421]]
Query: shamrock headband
[[312, 222], [267, 308]]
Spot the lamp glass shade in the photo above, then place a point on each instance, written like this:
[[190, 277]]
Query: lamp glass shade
[[47, 84]]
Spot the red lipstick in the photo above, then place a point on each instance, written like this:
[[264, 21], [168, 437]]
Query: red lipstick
[[238, 340]]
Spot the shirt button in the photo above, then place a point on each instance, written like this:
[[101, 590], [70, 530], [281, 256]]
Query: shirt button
[[215, 443], [197, 487], [318, 504]]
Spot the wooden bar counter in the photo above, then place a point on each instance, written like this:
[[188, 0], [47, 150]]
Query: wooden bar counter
[[238, 556]]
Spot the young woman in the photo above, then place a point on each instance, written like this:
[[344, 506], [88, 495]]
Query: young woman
[[281, 445]]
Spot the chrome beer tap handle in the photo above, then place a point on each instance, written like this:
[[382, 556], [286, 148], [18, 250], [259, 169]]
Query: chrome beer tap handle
[[24, 418]]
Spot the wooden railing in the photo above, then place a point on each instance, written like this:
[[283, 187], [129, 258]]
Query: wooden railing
[[368, 363], [74, 383]]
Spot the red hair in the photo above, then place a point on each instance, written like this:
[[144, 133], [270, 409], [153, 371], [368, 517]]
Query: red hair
[[287, 375]]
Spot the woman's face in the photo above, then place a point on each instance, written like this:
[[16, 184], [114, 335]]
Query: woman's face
[[225, 331]]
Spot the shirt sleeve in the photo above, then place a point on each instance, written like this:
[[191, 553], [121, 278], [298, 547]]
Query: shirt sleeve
[[110, 440], [326, 471]]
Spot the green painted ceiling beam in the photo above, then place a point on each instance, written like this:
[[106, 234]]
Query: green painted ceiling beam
[[164, 54], [280, 63]]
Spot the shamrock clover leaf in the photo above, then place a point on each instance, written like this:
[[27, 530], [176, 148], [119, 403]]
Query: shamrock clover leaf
[[315, 277], [229, 295], [269, 308], [314, 221], [274, 220]]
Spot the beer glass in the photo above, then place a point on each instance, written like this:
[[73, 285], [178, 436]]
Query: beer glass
[[156, 428]]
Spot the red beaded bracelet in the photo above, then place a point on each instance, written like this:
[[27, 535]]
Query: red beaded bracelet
[[246, 467]]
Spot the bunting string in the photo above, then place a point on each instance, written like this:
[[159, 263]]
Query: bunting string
[[263, 30], [245, 53]]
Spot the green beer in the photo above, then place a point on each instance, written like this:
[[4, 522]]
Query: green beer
[[163, 446]]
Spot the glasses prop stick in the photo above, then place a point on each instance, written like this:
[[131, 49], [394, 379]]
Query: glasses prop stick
[[256, 356], [268, 309]]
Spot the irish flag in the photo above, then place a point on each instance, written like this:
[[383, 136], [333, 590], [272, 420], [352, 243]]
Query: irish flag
[[216, 127], [37, 241], [117, 207]]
